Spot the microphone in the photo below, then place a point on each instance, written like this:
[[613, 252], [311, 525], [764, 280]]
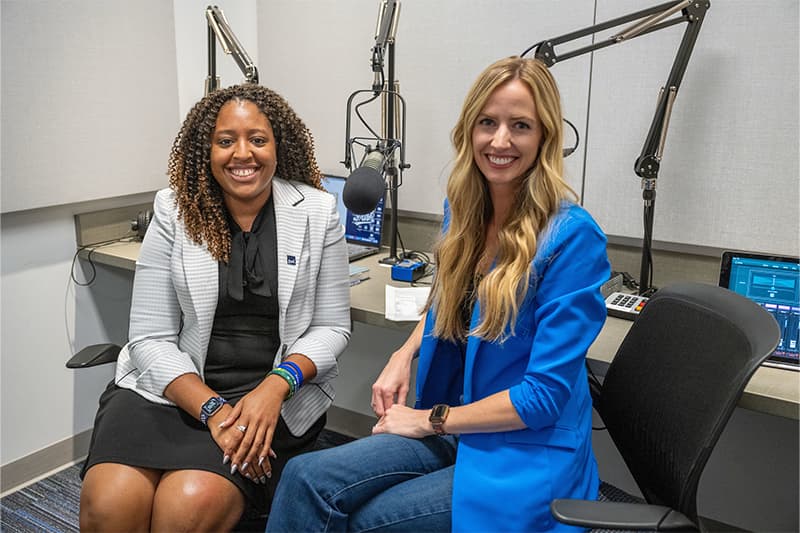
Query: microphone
[[364, 187]]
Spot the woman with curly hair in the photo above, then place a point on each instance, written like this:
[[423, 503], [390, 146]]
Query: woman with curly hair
[[502, 421], [240, 309]]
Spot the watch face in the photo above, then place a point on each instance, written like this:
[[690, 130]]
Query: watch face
[[211, 406], [438, 412]]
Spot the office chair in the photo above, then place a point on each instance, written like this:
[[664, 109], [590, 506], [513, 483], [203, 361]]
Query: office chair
[[665, 400], [99, 354]]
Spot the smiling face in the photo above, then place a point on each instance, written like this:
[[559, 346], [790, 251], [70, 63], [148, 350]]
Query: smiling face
[[507, 136], [243, 154]]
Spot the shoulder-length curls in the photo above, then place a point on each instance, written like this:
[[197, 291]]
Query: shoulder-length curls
[[198, 195], [541, 192]]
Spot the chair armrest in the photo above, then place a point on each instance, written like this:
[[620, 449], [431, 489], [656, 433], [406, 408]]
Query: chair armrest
[[93, 355], [615, 515]]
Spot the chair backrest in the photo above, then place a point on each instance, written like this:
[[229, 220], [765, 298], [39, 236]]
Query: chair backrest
[[675, 382]]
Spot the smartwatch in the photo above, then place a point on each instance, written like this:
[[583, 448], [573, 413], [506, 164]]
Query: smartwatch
[[438, 416], [211, 406]]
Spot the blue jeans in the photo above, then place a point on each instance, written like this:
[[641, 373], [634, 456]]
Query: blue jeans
[[382, 482]]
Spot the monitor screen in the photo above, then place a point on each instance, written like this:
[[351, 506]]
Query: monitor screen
[[774, 283], [335, 186], [364, 229]]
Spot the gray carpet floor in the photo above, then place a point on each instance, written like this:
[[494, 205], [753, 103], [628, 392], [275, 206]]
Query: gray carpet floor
[[51, 504], [47, 505]]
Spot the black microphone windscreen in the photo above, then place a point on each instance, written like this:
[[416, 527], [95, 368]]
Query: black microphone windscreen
[[363, 190]]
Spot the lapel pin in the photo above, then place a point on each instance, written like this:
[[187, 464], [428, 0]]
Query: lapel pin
[[291, 260]]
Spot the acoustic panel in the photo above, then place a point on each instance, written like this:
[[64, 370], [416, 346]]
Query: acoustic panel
[[89, 99], [729, 174], [441, 48]]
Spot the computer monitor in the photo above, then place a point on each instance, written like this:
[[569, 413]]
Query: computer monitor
[[359, 229], [335, 186], [772, 281]]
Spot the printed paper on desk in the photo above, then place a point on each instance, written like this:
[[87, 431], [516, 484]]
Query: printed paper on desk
[[357, 269], [405, 303]]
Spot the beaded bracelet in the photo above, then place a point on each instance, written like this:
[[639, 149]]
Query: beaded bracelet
[[288, 377], [295, 368], [293, 373]]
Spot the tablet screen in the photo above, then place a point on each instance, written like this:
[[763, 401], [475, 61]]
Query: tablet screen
[[773, 282]]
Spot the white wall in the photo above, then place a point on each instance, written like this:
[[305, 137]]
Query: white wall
[[441, 47], [191, 46], [729, 176], [42, 402], [45, 318], [93, 82]]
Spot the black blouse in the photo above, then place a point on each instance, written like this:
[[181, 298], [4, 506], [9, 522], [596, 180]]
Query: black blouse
[[245, 335], [253, 255]]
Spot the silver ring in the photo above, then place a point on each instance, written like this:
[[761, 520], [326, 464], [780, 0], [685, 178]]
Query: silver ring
[[241, 428]]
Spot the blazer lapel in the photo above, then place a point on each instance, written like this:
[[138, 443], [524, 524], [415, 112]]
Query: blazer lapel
[[201, 272], [472, 349], [440, 376], [427, 350], [291, 228]]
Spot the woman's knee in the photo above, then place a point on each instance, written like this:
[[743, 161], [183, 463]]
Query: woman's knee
[[295, 468], [197, 500], [200, 494], [115, 496]]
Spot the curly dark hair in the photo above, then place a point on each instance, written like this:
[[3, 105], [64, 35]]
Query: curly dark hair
[[198, 195]]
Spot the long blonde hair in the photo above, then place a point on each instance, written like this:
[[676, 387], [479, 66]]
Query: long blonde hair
[[542, 191]]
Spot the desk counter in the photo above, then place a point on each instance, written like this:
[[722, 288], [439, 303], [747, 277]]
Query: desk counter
[[771, 390]]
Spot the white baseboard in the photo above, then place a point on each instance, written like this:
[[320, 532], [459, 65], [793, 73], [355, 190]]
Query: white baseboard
[[31, 468]]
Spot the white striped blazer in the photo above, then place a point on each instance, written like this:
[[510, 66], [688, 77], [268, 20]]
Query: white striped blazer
[[176, 287]]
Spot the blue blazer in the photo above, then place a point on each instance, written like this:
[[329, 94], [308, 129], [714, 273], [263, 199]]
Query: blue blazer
[[505, 481]]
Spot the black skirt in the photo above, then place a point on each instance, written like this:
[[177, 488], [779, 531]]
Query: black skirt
[[133, 431], [244, 339]]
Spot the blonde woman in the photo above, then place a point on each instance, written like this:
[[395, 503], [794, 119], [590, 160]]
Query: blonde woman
[[502, 421]]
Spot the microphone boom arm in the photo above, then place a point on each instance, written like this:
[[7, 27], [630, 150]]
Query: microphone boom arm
[[219, 29], [386, 25], [391, 137], [647, 165]]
